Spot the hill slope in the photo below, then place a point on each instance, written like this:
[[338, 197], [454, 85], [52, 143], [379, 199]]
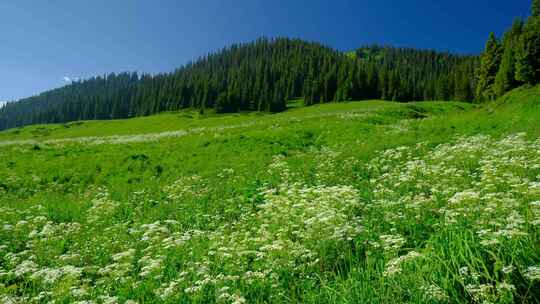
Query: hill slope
[[372, 202], [257, 76], [175, 123]]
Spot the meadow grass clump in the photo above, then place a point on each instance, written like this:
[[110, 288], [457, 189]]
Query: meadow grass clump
[[456, 216]]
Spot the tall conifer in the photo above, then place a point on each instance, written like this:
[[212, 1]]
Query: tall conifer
[[505, 79], [489, 66]]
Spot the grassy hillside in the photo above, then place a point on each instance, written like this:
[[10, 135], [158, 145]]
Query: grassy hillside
[[259, 76], [183, 120], [360, 202]]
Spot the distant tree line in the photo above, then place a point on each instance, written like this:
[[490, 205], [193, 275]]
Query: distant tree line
[[263, 75], [400, 74], [512, 62], [257, 76]]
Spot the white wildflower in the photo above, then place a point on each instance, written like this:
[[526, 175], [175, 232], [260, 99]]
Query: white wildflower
[[532, 273]]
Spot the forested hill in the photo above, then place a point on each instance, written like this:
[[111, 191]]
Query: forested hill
[[257, 76]]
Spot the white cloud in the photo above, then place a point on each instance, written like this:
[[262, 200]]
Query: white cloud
[[71, 79]]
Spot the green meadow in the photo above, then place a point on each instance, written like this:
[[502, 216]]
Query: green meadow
[[356, 202]]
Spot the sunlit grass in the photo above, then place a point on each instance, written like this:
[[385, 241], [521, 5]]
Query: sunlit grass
[[361, 202]]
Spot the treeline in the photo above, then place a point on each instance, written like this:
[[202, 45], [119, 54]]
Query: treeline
[[401, 74], [513, 61], [257, 76], [263, 75]]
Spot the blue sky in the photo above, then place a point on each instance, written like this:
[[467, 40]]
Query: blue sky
[[45, 43]]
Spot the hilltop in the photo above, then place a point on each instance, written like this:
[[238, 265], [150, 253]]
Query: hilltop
[[258, 76], [263, 75]]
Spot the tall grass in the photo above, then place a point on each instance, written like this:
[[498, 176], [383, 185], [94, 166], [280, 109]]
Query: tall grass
[[350, 203]]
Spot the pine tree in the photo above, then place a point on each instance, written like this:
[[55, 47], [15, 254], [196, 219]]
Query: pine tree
[[528, 52], [442, 91], [489, 66], [505, 79], [463, 91], [535, 8]]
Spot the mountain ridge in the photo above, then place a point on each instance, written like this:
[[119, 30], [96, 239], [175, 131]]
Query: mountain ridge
[[255, 76]]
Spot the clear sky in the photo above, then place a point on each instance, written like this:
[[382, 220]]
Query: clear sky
[[45, 43]]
